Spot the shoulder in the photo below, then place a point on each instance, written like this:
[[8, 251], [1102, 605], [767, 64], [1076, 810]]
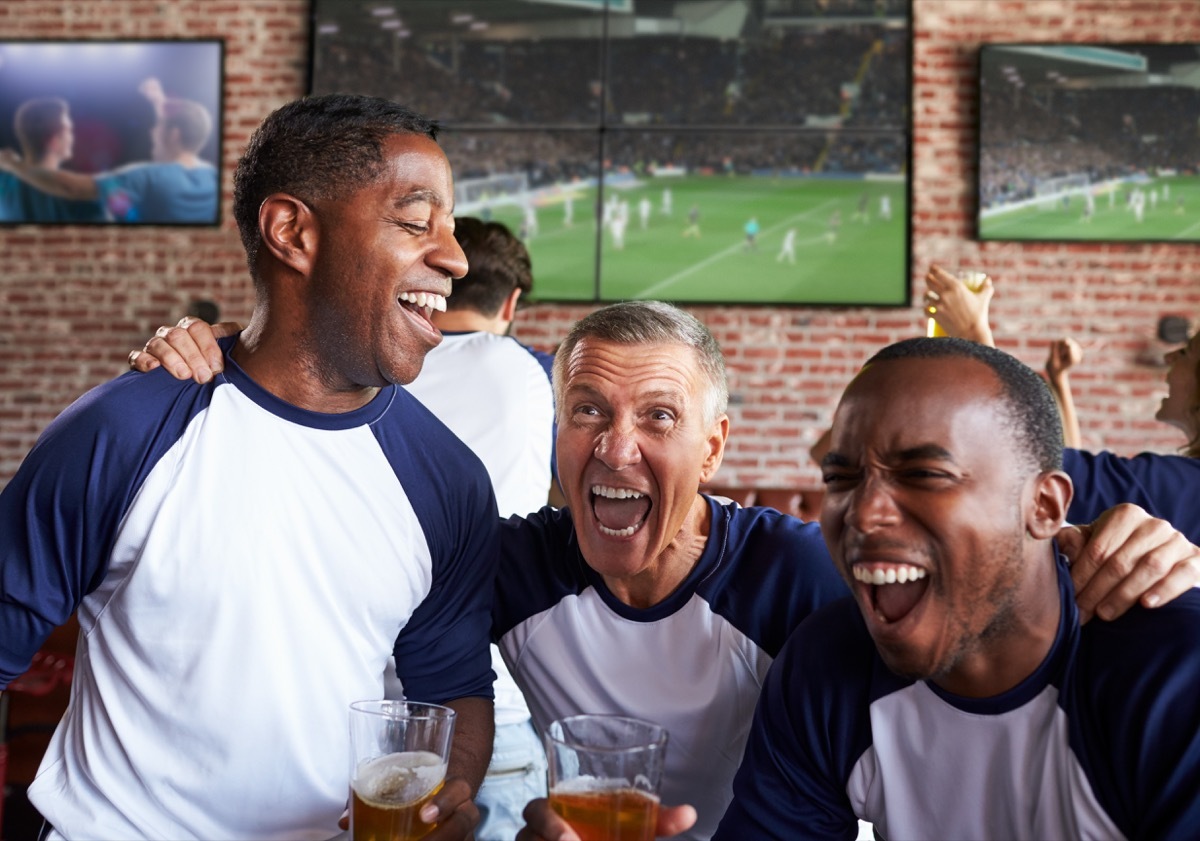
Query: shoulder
[[771, 571]]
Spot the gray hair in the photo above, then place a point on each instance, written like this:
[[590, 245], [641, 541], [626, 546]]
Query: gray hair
[[649, 323]]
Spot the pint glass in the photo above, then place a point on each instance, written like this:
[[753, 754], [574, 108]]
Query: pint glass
[[605, 772], [398, 756]]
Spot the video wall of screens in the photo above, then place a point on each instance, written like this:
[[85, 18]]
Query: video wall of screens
[[139, 119], [1095, 142], [692, 152]]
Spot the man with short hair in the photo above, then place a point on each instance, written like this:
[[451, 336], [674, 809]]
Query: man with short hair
[[494, 393], [246, 554], [177, 186], [959, 695], [46, 134]]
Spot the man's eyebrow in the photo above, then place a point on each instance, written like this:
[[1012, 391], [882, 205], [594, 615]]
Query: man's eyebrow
[[835, 460], [925, 451], [918, 453], [417, 197]]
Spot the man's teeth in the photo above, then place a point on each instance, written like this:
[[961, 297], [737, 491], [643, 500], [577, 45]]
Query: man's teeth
[[892, 575], [616, 493], [425, 299]]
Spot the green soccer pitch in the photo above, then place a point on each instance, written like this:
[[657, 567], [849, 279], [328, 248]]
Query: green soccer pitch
[[859, 261], [1175, 217]]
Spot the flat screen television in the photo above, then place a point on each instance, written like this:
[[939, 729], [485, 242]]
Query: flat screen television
[[691, 152], [1089, 142], [120, 132]]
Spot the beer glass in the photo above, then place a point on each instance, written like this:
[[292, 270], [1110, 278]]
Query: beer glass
[[604, 773], [398, 756], [974, 282]]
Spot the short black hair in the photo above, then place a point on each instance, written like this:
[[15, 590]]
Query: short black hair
[[497, 263], [318, 147], [1031, 409]]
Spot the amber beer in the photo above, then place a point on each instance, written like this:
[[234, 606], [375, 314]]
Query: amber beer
[[623, 814], [974, 282], [388, 792]]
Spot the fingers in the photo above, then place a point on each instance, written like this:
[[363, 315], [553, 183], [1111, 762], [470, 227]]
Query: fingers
[[141, 361], [453, 810], [1128, 556], [189, 349], [543, 824], [673, 820]]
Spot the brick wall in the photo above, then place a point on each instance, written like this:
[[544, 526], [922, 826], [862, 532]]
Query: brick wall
[[73, 301]]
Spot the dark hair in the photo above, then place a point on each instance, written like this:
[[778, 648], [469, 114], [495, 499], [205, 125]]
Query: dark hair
[[649, 323], [1031, 410], [191, 119], [318, 147], [497, 263], [36, 122]]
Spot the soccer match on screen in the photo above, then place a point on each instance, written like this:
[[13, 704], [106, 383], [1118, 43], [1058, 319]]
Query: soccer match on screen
[[577, 131], [1085, 142]]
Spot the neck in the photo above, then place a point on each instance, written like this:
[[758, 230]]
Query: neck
[[278, 361], [470, 321], [673, 564], [1016, 643]]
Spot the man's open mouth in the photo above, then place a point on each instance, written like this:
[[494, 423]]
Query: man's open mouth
[[619, 512], [894, 589], [423, 304]]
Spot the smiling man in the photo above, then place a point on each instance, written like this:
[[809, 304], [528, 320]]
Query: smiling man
[[959, 696], [245, 554]]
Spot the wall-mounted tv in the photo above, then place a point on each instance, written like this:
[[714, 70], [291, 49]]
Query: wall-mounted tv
[[110, 132], [693, 152], [1089, 142]]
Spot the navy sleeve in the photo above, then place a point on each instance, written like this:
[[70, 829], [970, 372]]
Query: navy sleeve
[[1166, 486], [1139, 677], [776, 572], [442, 653], [811, 724], [546, 360], [60, 514], [539, 564]]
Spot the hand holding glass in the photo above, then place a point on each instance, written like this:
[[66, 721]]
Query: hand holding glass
[[398, 756], [605, 772], [970, 279]]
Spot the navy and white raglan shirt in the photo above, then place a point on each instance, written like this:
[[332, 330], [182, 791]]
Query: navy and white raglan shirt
[[1167, 486], [242, 569], [1101, 741], [694, 663]]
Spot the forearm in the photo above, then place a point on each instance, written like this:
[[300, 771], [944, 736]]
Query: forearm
[[979, 332], [1060, 386], [473, 731], [66, 185]]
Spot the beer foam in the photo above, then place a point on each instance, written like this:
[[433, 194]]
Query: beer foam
[[399, 778], [585, 784]]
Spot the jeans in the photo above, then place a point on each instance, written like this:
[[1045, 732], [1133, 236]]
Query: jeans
[[516, 775]]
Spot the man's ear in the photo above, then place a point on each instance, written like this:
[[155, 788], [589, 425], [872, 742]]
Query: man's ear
[[1051, 497], [289, 230], [508, 310], [717, 437]]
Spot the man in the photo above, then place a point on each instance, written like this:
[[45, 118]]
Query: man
[[962, 698], [47, 137], [647, 598], [494, 393], [245, 555], [178, 186]]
